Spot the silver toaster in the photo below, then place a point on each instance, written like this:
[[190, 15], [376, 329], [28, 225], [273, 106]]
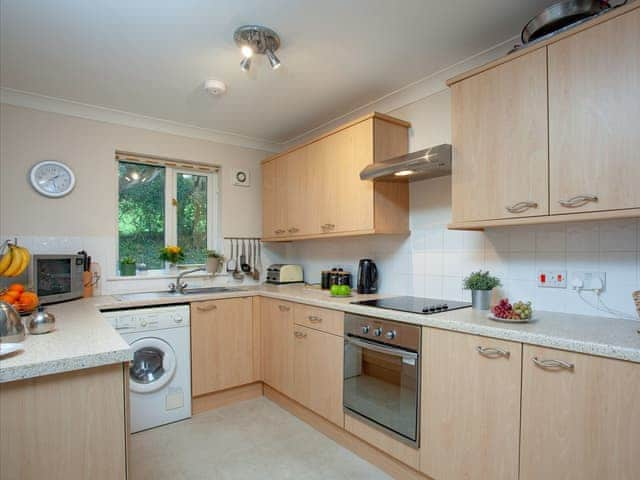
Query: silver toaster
[[280, 273]]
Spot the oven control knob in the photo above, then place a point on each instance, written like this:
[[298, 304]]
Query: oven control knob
[[366, 329], [378, 331], [390, 335]]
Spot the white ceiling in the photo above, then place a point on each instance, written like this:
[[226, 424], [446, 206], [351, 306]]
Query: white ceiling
[[151, 57]]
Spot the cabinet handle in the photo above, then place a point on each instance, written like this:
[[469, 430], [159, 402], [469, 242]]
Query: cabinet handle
[[280, 231], [551, 364], [491, 352], [299, 334], [521, 207], [284, 308], [294, 230], [578, 201], [314, 319], [206, 309]]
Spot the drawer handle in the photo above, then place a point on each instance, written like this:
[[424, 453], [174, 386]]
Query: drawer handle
[[280, 231], [491, 352], [206, 309], [294, 230], [314, 319], [521, 207], [550, 364], [299, 334], [578, 201], [284, 308], [328, 226]]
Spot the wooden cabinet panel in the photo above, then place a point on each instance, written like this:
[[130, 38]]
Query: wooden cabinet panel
[[270, 210], [470, 407], [594, 108], [294, 180], [582, 423], [330, 321], [277, 344], [318, 372], [500, 141], [222, 334]]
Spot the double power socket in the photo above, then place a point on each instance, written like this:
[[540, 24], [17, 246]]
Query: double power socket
[[579, 280]]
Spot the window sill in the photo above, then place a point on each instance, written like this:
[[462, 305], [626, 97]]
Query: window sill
[[161, 274]]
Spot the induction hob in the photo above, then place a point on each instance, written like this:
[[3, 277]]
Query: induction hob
[[424, 306]]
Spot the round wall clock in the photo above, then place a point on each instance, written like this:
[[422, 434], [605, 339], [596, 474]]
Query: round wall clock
[[52, 179]]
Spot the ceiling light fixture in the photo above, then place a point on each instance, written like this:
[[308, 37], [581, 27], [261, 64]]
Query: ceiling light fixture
[[256, 39]]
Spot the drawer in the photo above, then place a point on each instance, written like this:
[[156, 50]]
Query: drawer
[[330, 321]]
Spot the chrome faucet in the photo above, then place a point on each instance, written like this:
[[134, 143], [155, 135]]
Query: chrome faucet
[[179, 286]]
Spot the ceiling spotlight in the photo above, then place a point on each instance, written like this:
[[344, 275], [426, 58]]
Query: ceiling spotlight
[[256, 39]]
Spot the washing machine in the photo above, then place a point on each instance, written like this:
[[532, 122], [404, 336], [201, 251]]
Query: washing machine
[[160, 373]]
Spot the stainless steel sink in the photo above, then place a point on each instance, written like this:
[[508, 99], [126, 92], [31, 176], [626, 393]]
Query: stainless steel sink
[[204, 290], [165, 294]]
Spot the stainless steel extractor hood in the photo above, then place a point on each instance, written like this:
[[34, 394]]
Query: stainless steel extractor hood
[[428, 163]]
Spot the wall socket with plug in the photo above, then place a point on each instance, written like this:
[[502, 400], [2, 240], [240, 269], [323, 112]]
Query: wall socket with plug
[[588, 281], [552, 279]]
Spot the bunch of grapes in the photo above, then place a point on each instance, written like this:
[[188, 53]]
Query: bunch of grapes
[[517, 311]]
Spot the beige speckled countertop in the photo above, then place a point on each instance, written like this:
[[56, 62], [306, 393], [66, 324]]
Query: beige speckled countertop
[[83, 339]]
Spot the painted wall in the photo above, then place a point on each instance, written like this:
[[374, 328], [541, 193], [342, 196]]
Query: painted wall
[[87, 218], [432, 261]]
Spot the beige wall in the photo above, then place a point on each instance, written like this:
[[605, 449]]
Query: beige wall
[[87, 146]]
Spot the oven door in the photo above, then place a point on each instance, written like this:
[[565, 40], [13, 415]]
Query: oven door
[[382, 386]]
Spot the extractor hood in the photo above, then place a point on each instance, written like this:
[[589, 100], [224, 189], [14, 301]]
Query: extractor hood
[[428, 163]]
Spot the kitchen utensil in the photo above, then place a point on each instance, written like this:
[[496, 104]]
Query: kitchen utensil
[[41, 321], [243, 259], [367, 276], [236, 273], [560, 15], [256, 261], [11, 327], [231, 263]]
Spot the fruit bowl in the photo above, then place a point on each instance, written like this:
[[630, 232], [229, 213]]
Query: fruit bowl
[[533, 318], [519, 312]]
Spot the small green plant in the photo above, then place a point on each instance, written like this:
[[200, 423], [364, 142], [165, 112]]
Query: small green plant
[[128, 261], [481, 281], [214, 254]]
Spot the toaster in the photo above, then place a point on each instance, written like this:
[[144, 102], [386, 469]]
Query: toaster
[[280, 273]]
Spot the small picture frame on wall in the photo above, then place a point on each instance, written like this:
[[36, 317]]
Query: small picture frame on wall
[[241, 178]]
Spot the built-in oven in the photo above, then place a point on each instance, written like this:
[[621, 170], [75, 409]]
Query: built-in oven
[[382, 375], [56, 278]]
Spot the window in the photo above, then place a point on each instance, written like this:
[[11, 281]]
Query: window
[[163, 205]]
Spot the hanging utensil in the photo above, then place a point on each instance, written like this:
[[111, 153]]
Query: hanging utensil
[[231, 263], [246, 268], [236, 273], [256, 261]]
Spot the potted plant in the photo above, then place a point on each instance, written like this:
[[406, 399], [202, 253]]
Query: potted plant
[[481, 283], [127, 266], [172, 254], [214, 260]]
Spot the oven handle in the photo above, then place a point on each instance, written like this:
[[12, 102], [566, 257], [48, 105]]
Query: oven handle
[[376, 347]]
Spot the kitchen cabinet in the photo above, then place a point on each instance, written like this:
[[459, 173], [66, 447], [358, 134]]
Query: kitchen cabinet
[[470, 420], [594, 106], [314, 190], [318, 358], [222, 344], [330, 321], [500, 142], [277, 344], [580, 417]]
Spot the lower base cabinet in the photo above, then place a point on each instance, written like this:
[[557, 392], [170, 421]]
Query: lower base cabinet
[[470, 420], [277, 345], [580, 417]]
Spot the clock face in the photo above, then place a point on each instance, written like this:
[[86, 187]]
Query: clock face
[[52, 179]]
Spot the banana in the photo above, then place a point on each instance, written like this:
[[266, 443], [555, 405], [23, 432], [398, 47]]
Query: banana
[[5, 261], [17, 260], [27, 259]]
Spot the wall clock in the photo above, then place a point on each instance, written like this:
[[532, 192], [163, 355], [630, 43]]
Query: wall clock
[[52, 179]]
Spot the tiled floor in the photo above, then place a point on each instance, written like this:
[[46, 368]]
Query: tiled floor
[[254, 439]]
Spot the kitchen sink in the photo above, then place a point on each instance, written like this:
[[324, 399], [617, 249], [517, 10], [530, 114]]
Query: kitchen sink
[[166, 294], [200, 291]]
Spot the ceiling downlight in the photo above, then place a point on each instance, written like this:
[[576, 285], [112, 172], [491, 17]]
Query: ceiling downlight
[[256, 39]]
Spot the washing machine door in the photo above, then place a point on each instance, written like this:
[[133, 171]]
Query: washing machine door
[[153, 365]]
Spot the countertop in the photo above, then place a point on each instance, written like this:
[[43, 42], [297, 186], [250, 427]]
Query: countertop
[[83, 339]]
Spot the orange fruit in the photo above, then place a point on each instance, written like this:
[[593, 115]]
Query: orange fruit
[[28, 301], [13, 294], [8, 299], [16, 287]]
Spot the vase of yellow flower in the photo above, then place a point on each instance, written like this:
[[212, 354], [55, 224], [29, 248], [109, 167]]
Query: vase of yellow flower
[[172, 254]]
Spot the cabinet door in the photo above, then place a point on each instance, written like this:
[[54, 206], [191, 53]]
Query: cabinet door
[[500, 142], [295, 181], [318, 372], [594, 108], [277, 344], [271, 213], [579, 423], [221, 344], [470, 407]]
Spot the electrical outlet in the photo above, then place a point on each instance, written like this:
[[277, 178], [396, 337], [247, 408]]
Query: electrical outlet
[[552, 279], [588, 281]]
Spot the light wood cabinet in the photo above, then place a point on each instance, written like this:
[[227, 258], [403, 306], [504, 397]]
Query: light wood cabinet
[[500, 142], [582, 422], [222, 345], [330, 321], [277, 344], [470, 420], [594, 108], [318, 372], [315, 189]]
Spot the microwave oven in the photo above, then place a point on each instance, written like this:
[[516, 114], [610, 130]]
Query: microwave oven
[[56, 278]]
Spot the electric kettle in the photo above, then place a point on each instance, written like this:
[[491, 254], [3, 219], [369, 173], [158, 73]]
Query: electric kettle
[[11, 327], [367, 276]]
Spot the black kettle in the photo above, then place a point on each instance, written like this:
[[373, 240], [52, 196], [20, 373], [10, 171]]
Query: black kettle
[[367, 276]]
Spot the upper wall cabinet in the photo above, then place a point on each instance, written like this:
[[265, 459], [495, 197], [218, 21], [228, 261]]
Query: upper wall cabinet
[[550, 133], [315, 190], [594, 115]]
